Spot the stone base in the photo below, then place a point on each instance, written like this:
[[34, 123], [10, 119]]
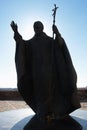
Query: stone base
[[24, 118], [68, 123]]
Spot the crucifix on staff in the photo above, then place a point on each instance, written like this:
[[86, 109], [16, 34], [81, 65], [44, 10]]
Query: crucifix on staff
[[54, 15]]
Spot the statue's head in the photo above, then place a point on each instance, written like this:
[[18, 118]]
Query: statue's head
[[38, 27]]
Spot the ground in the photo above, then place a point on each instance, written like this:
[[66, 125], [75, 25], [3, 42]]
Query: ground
[[6, 105]]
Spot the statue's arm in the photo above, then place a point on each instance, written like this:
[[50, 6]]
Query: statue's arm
[[58, 37], [17, 36]]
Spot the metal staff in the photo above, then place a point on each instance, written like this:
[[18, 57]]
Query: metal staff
[[54, 14]]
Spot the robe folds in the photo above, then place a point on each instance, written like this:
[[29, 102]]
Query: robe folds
[[46, 75]]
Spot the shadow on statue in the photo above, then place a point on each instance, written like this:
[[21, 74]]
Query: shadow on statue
[[46, 79]]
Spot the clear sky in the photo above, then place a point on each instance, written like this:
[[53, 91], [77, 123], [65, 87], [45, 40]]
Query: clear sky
[[71, 20]]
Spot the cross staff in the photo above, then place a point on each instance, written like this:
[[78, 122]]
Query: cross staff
[[54, 14]]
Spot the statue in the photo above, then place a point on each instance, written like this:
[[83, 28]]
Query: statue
[[46, 78]]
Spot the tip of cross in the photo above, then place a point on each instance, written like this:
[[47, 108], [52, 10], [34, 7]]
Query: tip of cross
[[55, 6], [54, 10]]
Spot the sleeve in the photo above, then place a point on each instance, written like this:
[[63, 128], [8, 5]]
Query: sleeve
[[17, 37], [69, 62], [59, 39], [71, 72], [19, 55]]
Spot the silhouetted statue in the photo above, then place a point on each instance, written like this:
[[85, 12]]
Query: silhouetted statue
[[46, 77]]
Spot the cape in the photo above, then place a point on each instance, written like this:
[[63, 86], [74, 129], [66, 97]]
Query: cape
[[46, 75]]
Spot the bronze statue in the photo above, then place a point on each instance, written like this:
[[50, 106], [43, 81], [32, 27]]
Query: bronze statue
[[46, 77]]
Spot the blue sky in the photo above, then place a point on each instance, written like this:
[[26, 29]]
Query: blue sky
[[71, 20]]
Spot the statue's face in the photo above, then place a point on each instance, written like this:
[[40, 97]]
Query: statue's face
[[38, 27]]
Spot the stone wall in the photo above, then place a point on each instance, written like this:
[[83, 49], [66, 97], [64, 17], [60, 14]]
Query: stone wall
[[82, 93], [13, 94], [10, 94]]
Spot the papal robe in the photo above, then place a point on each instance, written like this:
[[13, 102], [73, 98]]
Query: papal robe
[[46, 77]]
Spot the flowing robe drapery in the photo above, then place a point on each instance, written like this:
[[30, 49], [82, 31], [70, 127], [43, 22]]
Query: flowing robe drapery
[[46, 75]]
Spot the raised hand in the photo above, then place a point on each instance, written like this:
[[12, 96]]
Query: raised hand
[[14, 26]]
